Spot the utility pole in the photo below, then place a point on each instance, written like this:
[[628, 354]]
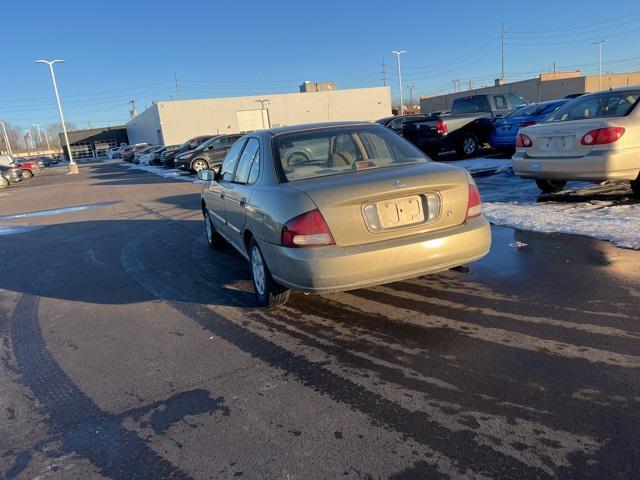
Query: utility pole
[[6, 138], [397, 53], [599, 43], [132, 111], [37, 125], [502, 53], [383, 72], [411, 87], [456, 85], [470, 88], [175, 76]]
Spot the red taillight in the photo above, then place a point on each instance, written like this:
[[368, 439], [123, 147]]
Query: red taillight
[[601, 136], [474, 204], [441, 126], [523, 140], [307, 230]]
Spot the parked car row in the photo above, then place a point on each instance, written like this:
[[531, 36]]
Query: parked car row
[[196, 154], [587, 136], [15, 169]]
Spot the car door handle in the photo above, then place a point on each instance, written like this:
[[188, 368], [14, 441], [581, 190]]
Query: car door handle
[[243, 202], [221, 194]]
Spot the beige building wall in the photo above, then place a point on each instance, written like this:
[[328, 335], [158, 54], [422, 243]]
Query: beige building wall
[[146, 127], [548, 86], [181, 120]]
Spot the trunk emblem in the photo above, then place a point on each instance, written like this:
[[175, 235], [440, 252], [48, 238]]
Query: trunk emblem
[[399, 184]]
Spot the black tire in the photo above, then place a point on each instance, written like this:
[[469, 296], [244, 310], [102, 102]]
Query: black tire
[[635, 186], [550, 186], [469, 146], [27, 174], [268, 293], [199, 164], [4, 183], [214, 239]]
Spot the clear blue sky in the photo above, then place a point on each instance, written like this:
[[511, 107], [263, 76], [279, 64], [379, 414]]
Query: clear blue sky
[[116, 50]]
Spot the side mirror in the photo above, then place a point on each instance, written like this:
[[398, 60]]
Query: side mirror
[[206, 175]]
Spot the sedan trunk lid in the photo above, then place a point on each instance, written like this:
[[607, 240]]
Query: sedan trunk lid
[[380, 204], [560, 139]]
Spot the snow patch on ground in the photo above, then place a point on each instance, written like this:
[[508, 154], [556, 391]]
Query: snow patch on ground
[[620, 224], [482, 164], [161, 171], [606, 212]]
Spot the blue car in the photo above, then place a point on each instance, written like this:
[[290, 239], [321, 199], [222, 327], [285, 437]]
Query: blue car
[[504, 130]]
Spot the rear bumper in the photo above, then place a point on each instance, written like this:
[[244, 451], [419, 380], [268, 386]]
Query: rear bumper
[[500, 141], [334, 268], [598, 165]]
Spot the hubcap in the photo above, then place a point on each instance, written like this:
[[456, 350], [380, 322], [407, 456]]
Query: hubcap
[[199, 166], [257, 266], [207, 223], [469, 145]]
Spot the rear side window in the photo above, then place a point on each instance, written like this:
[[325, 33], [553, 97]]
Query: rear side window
[[478, 104], [601, 105], [501, 102]]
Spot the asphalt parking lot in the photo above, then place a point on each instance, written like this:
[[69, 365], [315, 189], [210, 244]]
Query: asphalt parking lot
[[131, 350]]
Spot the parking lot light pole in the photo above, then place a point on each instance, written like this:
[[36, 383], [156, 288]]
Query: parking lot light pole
[[6, 138], [73, 166], [599, 43], [397, 53]]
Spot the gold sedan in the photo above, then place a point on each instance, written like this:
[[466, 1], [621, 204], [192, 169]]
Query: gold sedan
[[340, 206]]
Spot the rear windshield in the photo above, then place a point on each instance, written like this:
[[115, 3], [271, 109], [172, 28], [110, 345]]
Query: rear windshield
[[475, 104], [600, 105], [535, 109], [332, 151]]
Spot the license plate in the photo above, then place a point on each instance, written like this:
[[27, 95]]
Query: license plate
[[557, 144], [400, 212]]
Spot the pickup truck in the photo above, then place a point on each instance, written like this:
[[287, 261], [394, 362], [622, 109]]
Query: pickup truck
[[466, 128]]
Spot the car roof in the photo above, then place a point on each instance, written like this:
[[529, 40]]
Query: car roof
[[317, 126], [629, 88]]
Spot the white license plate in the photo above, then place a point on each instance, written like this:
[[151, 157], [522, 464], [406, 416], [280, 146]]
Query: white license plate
[[557, 144], [400, 212]]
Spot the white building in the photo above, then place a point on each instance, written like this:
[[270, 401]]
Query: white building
[[176, 121]]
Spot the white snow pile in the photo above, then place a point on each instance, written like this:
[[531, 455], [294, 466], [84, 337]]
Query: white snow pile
[[606, 212], [619, 224], [161, 171], [483, 164]]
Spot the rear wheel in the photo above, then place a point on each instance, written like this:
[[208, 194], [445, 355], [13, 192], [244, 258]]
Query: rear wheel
[[550, 186], [635, 186], [27, 174], [268, 292], [199, 165], [469, 145]]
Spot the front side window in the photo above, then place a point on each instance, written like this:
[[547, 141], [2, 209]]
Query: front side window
[[246, 160], [338, 150], [516, 100], [230, 161], [600, 105]]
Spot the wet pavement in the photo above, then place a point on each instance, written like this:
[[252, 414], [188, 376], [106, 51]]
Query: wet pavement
[[131, 350]]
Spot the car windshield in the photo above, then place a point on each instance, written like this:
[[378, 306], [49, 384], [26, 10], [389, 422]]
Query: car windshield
[[332, 151], [600, 105]]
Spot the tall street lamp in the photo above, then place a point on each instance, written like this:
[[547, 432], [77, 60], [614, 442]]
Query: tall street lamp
[[397, 53], [6, 138], [73, 166]]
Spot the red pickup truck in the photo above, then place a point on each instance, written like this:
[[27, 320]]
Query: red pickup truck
[[29, 167]]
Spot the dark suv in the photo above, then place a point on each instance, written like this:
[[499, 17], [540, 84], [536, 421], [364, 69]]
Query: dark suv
[[207, 155], [167, 158]]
